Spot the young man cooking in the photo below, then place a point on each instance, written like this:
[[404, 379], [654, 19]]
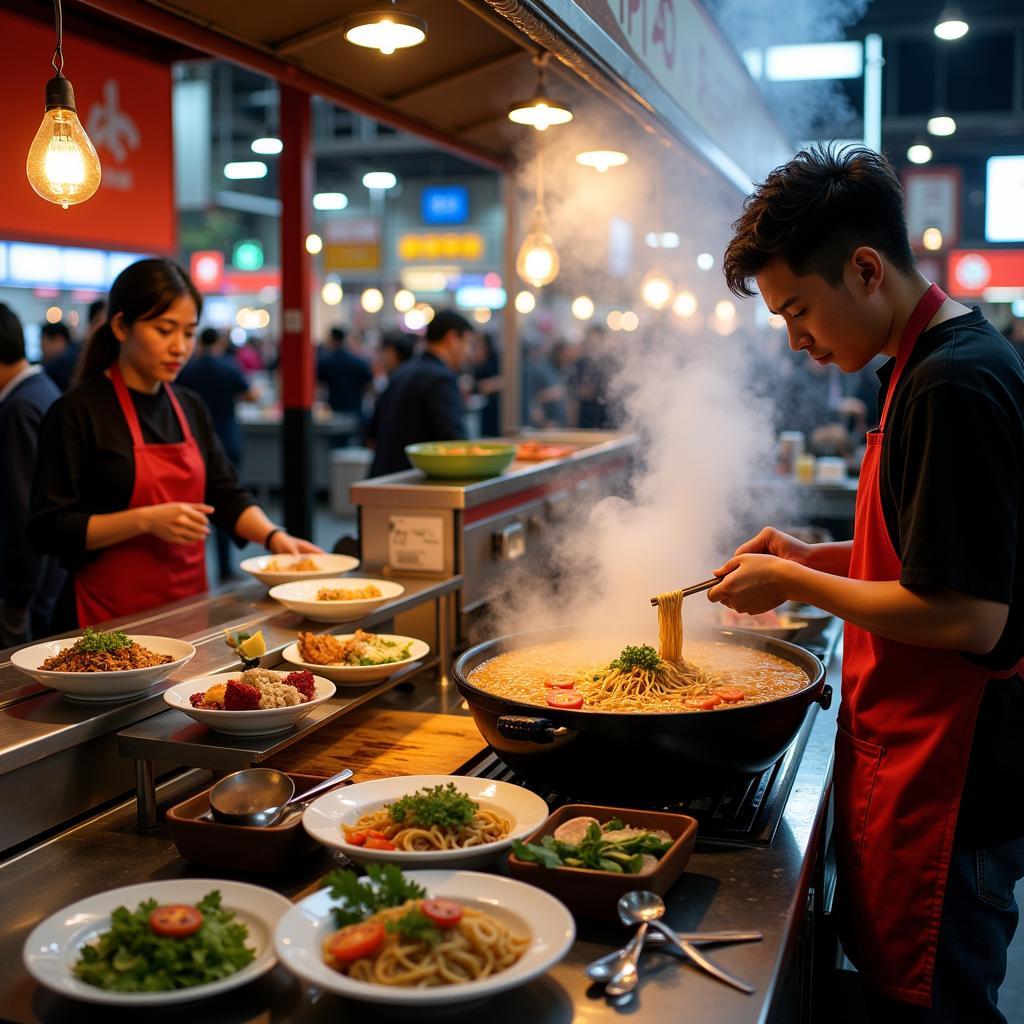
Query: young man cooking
[[928, 778]]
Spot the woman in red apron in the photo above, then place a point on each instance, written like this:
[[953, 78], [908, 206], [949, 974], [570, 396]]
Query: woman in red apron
[[823, 238], [129, 470]]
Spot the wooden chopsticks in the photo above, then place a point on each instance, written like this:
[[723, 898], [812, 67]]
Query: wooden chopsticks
[[697, 588]]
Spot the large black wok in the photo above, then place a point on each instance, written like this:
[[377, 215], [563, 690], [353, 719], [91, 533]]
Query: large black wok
[[592, 754]]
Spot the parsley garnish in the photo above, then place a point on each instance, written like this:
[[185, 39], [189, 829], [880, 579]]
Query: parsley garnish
[[360, 900], [645, 657], [443, 806], [416, 926], [92, 641]]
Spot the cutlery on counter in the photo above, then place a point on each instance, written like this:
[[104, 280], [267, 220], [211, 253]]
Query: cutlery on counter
[[619, 970]]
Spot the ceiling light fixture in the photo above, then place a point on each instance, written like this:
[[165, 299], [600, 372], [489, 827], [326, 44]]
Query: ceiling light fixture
[[919, 153], [382, 180], [386, 28], [537, 262], [267, 146], [541, 110], [951, 24], [330, 201], [62, 165], [941, 124], [245, 170], [602, 159]]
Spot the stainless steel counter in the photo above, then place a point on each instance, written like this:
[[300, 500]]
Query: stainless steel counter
[[723, 887]]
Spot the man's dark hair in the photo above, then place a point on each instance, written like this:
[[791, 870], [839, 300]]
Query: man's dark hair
[[814, 211], [338, 335], [403, 344], [96, 307], [12, 338], [446, 320], [208, 337], [57, 330]]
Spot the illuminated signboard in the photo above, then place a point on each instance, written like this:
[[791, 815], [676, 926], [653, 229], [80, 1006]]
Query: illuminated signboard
[[1004, 199], [444, 204], [469, 247]]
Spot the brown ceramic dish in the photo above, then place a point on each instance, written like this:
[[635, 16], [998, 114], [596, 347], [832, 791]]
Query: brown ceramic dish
[[590, 893], [262, 851]]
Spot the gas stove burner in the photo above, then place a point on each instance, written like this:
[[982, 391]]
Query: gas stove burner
[[741, 811]]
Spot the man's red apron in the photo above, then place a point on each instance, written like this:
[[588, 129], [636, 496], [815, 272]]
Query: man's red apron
[[145, 571], [906, 724]]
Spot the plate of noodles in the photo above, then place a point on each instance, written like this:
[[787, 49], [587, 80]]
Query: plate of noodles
[[355, 658], [103, 665], [273, 569], [336, 599], [423, 939], [425, 820]]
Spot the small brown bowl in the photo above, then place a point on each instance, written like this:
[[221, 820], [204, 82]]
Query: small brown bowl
[[264, 850], [589, 893]]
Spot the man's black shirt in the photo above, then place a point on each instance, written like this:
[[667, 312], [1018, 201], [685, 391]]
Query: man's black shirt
[[952, 489]]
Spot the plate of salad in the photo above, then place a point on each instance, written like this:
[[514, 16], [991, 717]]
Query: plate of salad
[[157, 943]]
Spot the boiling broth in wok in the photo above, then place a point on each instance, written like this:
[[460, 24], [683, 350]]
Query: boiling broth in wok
[[566, 674]]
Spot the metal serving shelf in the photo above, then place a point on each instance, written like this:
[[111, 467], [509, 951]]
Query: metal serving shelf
[[172, 737]]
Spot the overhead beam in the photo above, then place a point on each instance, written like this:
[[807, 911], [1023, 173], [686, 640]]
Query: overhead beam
[[460, 77]]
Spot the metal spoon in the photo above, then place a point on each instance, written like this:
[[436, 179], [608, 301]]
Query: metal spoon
[[604, 967], [258, 797], [648, 907], [627, 974]]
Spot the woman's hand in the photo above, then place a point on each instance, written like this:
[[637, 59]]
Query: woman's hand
[[752, 583], [177, 522], [285, 544], [774, 542]]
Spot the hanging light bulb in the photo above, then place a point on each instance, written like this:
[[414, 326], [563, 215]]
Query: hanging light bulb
[[656, 290], [951, 24], [372, 300], [541, 111], [919, 153], [583, 307], [941, 124], [62, 164], [537, 263], [525, 303], [404, 300], [385, 28], [684, 305]]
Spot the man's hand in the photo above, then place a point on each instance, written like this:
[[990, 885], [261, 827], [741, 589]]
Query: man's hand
[[774, 542], [752, 583], [285, 544]]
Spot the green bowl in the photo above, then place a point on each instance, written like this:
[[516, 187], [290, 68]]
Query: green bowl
[[444, 458]]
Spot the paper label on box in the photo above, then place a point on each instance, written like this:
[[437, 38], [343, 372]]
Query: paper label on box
[[416, 542]]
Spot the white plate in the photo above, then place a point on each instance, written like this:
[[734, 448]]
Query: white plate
[[323, 819], [327, 565], [300, 597], [51, 951], [103, 685], [360, 675], [262, 722], [301, 932]]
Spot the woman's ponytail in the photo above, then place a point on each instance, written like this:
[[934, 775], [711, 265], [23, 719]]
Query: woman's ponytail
[[101, 351]]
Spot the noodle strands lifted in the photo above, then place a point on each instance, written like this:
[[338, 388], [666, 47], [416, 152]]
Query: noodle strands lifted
[[670, 626]]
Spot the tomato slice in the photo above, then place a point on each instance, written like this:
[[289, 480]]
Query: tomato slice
[[175, 921], [703, 703], [373, 833], [355, 838], [730, 694], [559, 684], [568, 699], [373, 843], [444, 913], [357, 941]]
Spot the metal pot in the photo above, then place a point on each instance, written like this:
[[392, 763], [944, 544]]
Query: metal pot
[[631, 753]]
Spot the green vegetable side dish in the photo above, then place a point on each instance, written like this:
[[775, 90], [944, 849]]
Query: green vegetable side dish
[[360, 900], [131, 957], [93, 641], [594, 851], [645, 657], [444, 806]]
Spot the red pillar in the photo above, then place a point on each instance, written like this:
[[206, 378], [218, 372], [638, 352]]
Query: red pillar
[[296, 169]]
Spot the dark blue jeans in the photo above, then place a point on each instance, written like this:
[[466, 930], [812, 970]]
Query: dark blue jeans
[[979, 917]]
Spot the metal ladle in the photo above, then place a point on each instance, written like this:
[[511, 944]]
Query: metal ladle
[[258, 797], [646, 908]]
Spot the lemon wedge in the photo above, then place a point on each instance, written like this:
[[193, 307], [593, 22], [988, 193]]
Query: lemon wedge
[[254, 646]]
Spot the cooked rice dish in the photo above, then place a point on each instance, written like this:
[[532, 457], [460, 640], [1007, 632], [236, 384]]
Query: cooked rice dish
[[342, 594], [104, 652], [303, 564]]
